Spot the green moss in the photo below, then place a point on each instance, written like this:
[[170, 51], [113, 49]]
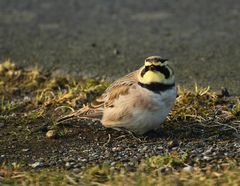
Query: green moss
[[166, 160]]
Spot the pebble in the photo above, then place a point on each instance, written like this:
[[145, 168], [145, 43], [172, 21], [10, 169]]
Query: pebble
[[160, 147], [13, 115], [172, 143], [25, 150], [144, 149], [114, 149], [51, 134], [26, 99], [207, 158], [107, 154], [174, 148], [84, 160], [188, 169], [69, 165], [2, 125], [76, 170], [76, 166], [116, 51], [113, 164], [237, 145], [37, 165]]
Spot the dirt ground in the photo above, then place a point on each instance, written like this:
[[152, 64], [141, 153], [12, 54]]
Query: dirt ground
[[87, 144]]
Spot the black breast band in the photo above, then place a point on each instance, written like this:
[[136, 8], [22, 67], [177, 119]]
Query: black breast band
[[157, 87]]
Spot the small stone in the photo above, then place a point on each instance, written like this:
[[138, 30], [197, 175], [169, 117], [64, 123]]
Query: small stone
[[76, 170], [172, 143], [2, 125], [144, 149], [107, 154], [37, 165], [116, 52], [25, 150], [13, 115], [188, 169], [51, 134], [160, 147], [114, 149], [26, 99], [237, 145], [84, 160], [113, 164], [76, 166], [207, 158], [67, 165]]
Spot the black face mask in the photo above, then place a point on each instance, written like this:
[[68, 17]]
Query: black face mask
[[163, 69]]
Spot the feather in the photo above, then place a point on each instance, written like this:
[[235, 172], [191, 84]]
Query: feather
[[95, 109]]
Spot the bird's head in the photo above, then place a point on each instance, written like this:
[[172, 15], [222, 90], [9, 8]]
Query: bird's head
[[156, 70]]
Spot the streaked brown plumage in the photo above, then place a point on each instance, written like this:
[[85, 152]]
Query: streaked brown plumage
[[134, 101]]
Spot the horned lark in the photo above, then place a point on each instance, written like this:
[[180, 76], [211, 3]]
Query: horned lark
[[139, 101]]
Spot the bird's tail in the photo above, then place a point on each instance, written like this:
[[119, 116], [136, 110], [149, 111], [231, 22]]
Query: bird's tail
[[85, 112]]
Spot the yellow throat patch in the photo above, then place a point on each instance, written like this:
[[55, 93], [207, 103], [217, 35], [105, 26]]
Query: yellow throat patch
[[152, 77]]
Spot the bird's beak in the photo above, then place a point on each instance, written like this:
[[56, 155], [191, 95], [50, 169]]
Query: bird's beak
[[152, 68]]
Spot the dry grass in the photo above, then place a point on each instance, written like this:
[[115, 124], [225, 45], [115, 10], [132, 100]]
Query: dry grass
[[38, 94]]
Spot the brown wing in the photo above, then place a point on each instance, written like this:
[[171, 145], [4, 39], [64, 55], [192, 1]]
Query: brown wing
[[117, 88], [95, 109]]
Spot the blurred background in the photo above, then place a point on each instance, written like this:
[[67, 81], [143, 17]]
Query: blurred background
[[108, 38]]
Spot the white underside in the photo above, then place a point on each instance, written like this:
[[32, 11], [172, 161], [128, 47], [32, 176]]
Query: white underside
[[145, 118]]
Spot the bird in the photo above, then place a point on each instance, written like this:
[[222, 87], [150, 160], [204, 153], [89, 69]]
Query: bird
[[137, 102]]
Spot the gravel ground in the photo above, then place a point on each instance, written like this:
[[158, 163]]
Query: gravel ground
[[111, 38], [89, 143]]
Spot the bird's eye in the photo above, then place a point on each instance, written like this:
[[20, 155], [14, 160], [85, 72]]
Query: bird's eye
[[164, 70]]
